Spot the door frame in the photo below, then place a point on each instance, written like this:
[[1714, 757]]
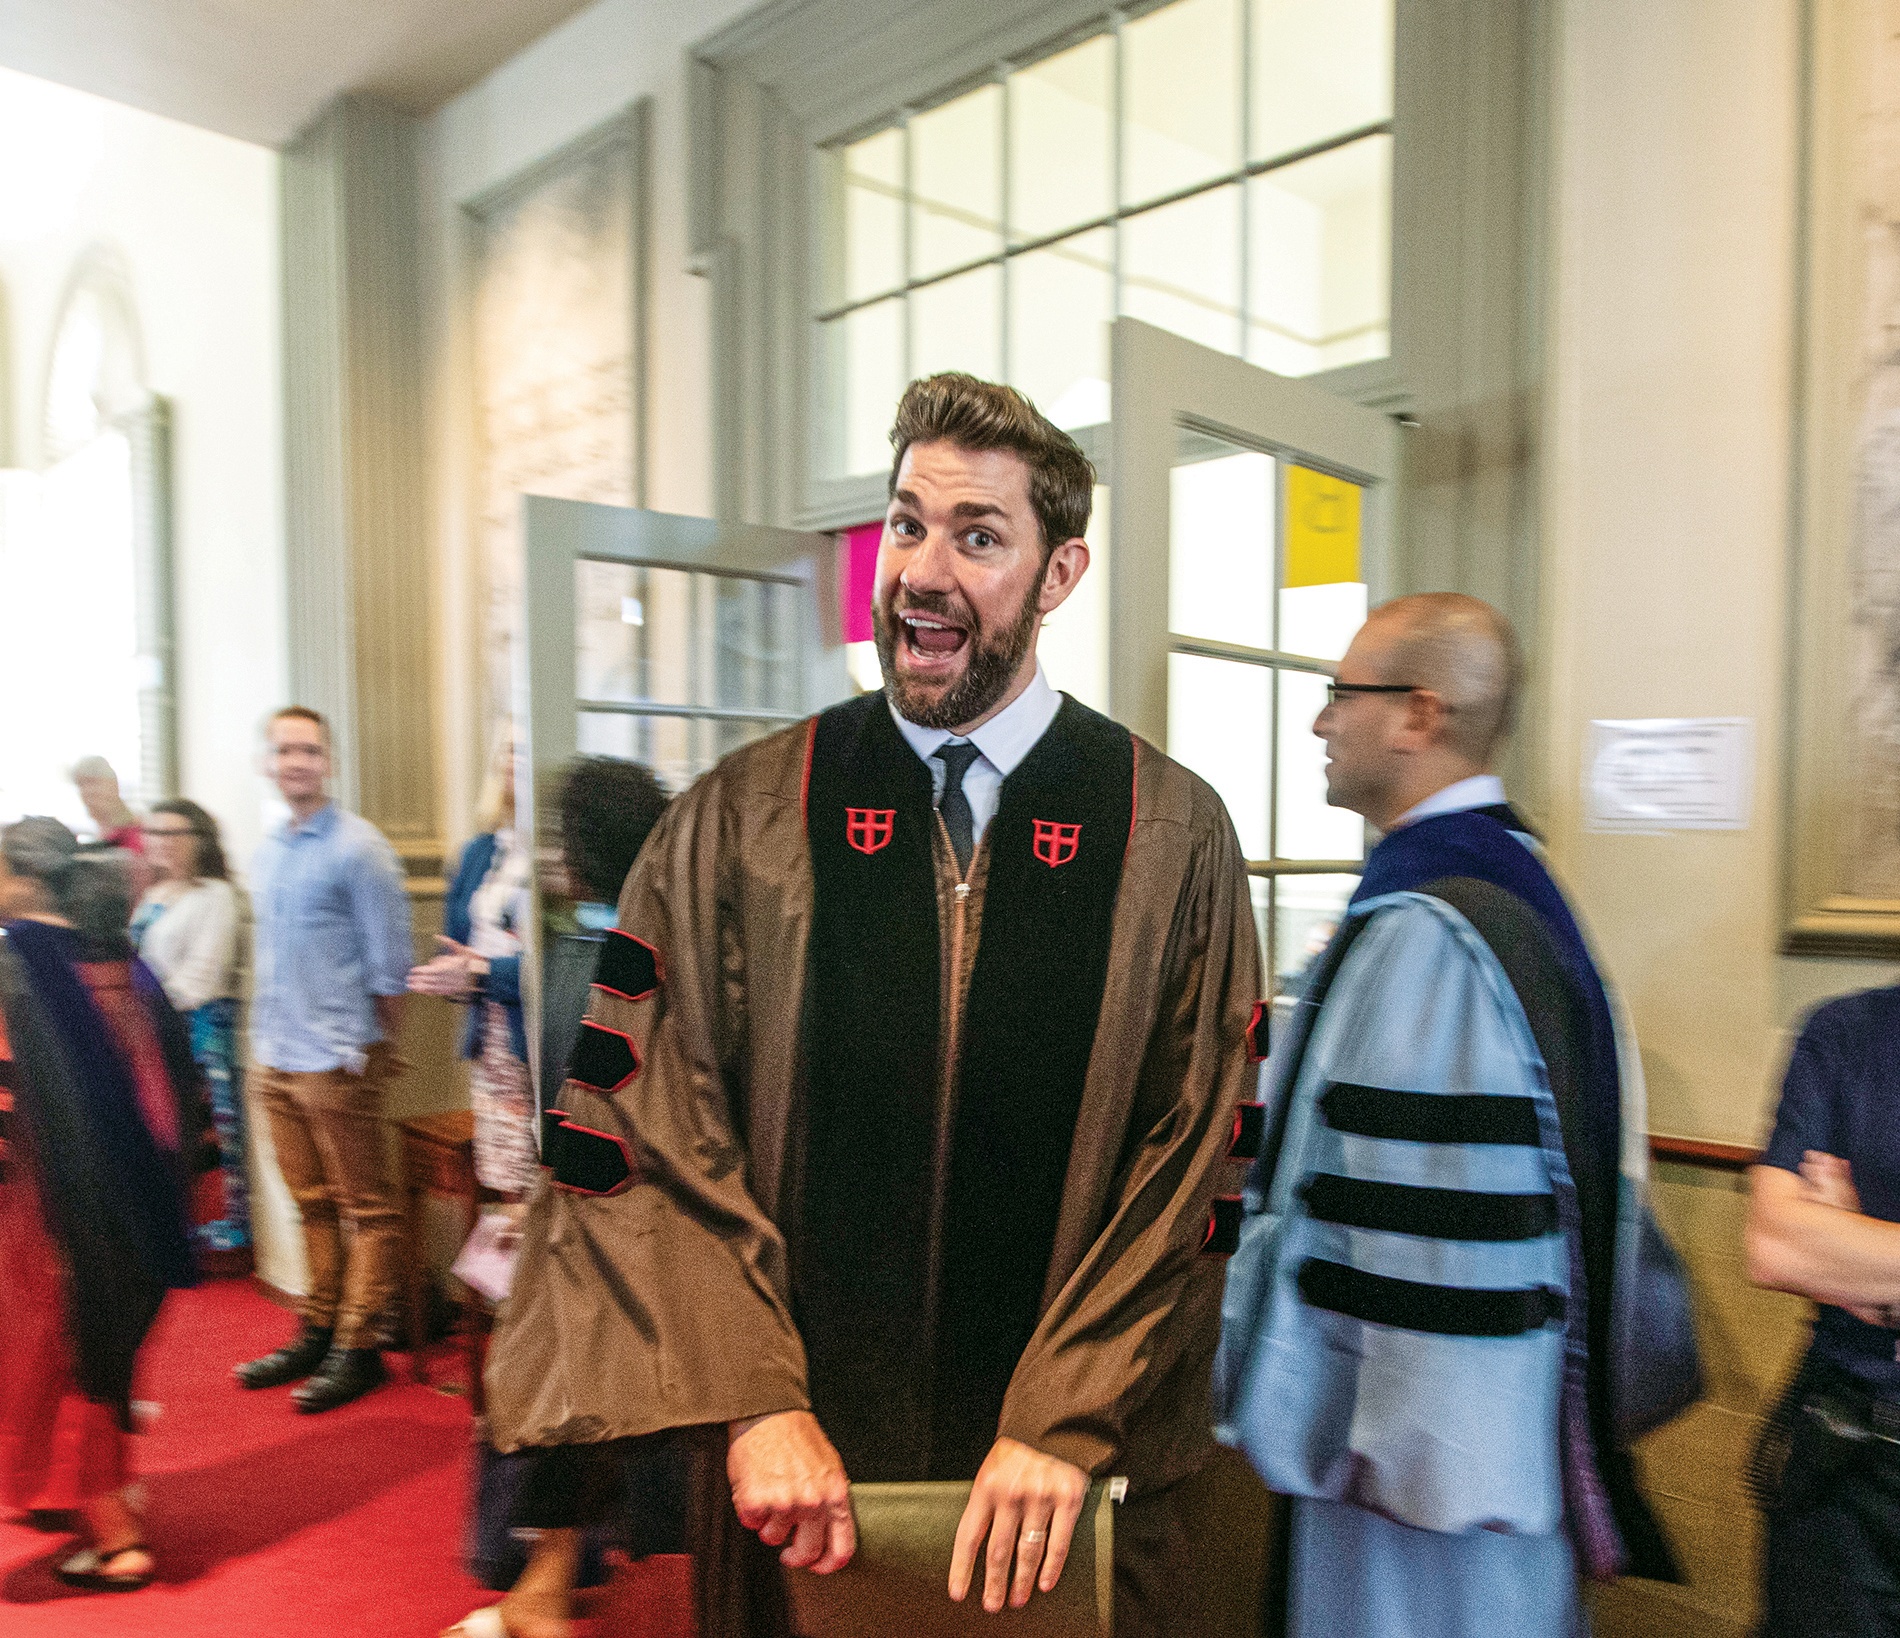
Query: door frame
[[1162, 383], [555, 536]]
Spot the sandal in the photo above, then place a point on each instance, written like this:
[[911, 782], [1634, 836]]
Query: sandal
[[485, 1622], [87, 1569]]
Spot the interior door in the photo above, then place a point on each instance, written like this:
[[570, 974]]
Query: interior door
[[671, 640], [668, 640], [1253, 516]]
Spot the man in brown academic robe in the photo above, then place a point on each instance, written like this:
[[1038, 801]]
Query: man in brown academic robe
[[889, 1149]]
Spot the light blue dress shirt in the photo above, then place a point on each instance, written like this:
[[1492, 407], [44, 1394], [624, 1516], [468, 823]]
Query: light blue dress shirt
[[333, 933], [1004, 741]]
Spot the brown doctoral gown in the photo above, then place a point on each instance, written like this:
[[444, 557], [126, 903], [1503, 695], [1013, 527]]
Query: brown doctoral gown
[[667, 1303]]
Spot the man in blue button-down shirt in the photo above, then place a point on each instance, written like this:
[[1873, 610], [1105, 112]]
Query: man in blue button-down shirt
[[333, 952]]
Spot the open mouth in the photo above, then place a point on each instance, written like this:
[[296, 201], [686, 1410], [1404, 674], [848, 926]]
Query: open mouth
[[930, 642]]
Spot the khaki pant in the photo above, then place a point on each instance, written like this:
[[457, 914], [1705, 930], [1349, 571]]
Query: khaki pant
[[328, 1131]]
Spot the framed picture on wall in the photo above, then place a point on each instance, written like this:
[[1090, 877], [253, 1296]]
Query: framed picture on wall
[[1842, 875], [557, 270]]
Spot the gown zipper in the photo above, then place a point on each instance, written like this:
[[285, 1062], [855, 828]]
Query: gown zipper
[[946, 1088], [954, 1031]]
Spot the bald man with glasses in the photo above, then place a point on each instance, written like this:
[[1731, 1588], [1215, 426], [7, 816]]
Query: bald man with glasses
[[1417, 1332]]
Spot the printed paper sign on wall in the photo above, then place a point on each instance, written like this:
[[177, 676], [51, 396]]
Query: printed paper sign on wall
[[1668, 773]]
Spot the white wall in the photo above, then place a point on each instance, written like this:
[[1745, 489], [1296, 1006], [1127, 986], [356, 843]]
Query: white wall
[[193, 216], [584, 72], [1666, 524]]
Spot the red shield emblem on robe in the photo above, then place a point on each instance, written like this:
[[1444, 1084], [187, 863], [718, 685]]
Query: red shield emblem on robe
[[1056, 844], [868, 829]]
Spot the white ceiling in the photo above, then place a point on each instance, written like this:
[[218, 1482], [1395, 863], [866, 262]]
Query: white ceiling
[[261, 69]]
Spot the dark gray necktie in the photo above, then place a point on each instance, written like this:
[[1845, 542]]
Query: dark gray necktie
[[954, 805]]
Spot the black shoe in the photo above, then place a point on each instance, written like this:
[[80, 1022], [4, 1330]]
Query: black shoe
[[347, 1374], [298, 1357]]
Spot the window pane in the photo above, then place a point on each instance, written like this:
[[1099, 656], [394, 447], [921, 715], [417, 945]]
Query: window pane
[[957, 325], [1181, 72], [68, 553], [1218, 720], [1307, 827], [664, 744], [1181, 268], [755, 662], [1061, 117], [1061, 300], [956, 182], [633, 633], [1307, 912], [1260, 890], [864, 357], [1320, 260], [874, 215], [1220, 547], [1317, 622], [1319, 67]]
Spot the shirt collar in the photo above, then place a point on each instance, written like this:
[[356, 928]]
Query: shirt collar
[[320, 823], [1005, 739], [1479, 791]]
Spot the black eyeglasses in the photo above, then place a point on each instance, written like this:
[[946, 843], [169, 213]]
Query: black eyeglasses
[[1335, 689]]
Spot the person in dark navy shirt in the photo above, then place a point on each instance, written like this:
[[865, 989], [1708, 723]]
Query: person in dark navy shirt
[[1824, 1223]]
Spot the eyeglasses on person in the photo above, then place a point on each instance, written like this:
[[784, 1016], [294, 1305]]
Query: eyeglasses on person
[[1335, 689]]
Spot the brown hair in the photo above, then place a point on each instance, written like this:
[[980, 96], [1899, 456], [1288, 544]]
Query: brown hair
[[980, 415], [301, 713], [204, 828]]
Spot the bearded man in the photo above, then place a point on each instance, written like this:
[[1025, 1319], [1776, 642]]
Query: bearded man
[[889, 1147]]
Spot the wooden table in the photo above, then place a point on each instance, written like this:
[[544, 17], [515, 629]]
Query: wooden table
[[438, 1157]]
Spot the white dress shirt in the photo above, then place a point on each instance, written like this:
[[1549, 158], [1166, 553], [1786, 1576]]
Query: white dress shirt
[[1003, 742], [1479, 791]]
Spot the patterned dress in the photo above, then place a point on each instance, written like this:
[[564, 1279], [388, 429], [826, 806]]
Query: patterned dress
[[500, 1090], [200, 959]]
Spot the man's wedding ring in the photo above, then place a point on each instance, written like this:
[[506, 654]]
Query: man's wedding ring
[[1034, 1535]]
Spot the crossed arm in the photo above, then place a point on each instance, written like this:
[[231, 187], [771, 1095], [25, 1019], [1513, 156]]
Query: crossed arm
[[1807, 1234]]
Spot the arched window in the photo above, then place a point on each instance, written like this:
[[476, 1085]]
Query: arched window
[[95, 375], [85, 581]]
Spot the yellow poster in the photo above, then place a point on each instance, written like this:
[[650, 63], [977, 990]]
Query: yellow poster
[[1322, 528]]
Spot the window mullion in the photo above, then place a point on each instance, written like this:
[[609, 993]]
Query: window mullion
[[910, 247], [1118, 147], [1006, 206], [1273, 767], [1246, 150]]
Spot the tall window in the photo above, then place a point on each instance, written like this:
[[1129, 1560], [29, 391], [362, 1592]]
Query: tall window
[[1220, 168], [84, 576]]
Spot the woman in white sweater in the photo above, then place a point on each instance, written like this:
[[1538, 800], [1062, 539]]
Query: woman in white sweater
[[187, 930]]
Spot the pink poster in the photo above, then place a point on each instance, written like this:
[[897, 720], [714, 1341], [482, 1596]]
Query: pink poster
[[857, 551]]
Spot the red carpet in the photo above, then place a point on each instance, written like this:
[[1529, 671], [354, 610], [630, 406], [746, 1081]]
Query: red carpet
[[267, 1524]]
